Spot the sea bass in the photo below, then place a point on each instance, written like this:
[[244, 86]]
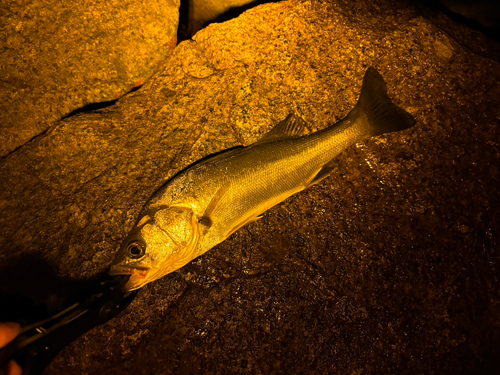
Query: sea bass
[[202, 206]]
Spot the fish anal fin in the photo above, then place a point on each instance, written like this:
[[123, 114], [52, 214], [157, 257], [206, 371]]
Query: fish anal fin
[[323, 172], [291, 127], [206, 219], [241, 225]]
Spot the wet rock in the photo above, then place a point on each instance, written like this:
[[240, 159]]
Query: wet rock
[[389, 266], [59, 56]]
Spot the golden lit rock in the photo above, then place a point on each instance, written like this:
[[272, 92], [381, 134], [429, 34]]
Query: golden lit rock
[[59, 56]]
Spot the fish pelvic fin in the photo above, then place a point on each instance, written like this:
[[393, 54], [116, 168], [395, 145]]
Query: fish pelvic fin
[[383, 115], [291, 127]]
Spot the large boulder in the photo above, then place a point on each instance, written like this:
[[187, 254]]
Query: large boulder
[[58, 56], [388, 266]]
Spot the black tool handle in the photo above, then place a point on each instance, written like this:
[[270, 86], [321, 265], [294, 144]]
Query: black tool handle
[[37, 344]]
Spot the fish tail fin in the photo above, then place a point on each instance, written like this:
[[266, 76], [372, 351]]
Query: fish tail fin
[[383, 115]]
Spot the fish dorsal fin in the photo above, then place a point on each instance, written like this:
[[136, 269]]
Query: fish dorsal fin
[[291, 127]]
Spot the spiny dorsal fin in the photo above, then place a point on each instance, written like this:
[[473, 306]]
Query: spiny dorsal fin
[[291, 127]]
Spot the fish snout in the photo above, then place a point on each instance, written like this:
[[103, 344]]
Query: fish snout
[[138, 276]]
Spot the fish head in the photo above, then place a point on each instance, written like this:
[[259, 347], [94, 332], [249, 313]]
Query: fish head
[[162, 241]]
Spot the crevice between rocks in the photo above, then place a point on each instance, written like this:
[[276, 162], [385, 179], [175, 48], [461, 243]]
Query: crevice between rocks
[[91, 107], [188, 27], [32, 139]]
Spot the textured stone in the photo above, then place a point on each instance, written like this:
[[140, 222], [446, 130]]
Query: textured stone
[[391, 265], [59, 56]]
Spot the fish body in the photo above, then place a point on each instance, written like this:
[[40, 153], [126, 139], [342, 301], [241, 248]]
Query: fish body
[[204, 205]]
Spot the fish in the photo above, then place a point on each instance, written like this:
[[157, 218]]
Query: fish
[[205, 204]]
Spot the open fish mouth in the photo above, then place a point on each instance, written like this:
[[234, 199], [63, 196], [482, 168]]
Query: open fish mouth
[[138, 276], [136, 273]]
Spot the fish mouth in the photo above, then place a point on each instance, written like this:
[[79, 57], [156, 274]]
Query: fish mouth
[[117, 270], [137, 278]]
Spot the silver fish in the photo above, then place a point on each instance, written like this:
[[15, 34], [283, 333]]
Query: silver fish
[[204, 205]]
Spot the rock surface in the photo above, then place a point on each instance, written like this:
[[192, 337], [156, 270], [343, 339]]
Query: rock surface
[[391, 265], [59, 56]]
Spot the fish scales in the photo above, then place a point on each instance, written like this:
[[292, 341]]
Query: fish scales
[[202, 206], [300, 158]]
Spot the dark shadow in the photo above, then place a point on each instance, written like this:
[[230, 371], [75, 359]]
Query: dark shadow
[[237, 11], [186, 30], [31, 292], [182, 29], [493, 33], [30, 289]]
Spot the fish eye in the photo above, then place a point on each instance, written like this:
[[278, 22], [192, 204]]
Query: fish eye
[[136, 250]]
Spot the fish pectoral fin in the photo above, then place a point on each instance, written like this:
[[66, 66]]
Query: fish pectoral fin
[[206, 219], [323, 172], [241, 225], [291, 127]]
